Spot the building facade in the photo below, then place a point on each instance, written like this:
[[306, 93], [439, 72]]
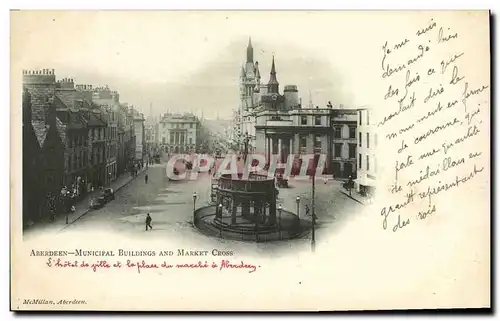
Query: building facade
[[47, 152], [250, 86], [179, 133], [284, 127], [344, 149], [109, 101], [140, 142], [73, 136], [366, 156]]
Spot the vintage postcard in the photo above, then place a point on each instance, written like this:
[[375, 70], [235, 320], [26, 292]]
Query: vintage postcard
[[250, 160]]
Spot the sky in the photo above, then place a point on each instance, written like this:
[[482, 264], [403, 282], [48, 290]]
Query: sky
[[191, 60]]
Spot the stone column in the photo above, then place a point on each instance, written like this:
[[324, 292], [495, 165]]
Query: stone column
[[310, 144], [280, 148], [233, 212], [296, 144], [245, 209], [268, 151]]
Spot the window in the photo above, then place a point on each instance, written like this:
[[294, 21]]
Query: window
[[360, 139], [368, 117], [337, 132], [163, 140], [352, 150], [191, 125], [367, 140], [303, 141], [317, 120], [338, 150], [360, 160], [360, 116], [190, 141], [317, 142], [303, 120], [352, 132], [367, 162], [375, 164]]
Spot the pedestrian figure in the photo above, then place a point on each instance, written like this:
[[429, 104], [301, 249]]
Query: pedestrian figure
[[146, 178], [307, 210], [148, 222]]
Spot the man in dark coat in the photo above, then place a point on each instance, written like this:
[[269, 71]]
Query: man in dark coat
[[146, 178], [148, 222]]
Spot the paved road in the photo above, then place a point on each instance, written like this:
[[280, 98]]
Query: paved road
[[170, 204]]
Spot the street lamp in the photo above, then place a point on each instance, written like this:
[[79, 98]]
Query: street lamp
[[194, 201], [297, 199], [280, 208], [220, 213], [350, 184], [313, 235]]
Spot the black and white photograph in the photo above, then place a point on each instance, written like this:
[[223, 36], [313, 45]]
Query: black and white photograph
[[229, 150]]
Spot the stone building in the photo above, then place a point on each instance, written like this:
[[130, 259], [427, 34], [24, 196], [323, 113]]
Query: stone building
[[140, 142], [179, 133], [32, 192], [344, 124], [250, 87], [366, 158], [126, 139], [109, 101], [72, 112], [284, 128], [40, 119]]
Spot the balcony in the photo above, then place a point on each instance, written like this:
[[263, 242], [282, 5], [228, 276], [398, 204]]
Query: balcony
[[309, 111], [344, 140]]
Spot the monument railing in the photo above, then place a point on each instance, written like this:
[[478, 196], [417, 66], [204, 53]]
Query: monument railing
[[255, 183]]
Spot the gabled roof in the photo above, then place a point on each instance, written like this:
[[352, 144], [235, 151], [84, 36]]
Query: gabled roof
[[61, 129], [40, 131], [67, 97], [94, 120]]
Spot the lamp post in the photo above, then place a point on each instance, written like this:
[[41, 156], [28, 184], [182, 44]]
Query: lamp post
[[194, 201], [313, 220], [350, 184], [220, 213], [297, 199], [280, 208]]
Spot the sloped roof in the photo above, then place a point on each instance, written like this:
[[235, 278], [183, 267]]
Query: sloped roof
[[40, 131], [61, 129], [67, 97], [94, 120]]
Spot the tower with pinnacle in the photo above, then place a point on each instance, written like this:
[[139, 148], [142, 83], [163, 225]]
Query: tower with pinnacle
[[249, 80]]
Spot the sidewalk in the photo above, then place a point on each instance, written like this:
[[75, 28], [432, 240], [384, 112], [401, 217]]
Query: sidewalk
[[82, 207], [355, 196]]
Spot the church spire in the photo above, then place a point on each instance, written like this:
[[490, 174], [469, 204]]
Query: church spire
[[273, 83], [250, 50]]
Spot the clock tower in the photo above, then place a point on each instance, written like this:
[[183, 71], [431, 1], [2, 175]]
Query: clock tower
[[249, 80]]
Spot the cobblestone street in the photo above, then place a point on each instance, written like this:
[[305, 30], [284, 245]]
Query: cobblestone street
[[170, 204]]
